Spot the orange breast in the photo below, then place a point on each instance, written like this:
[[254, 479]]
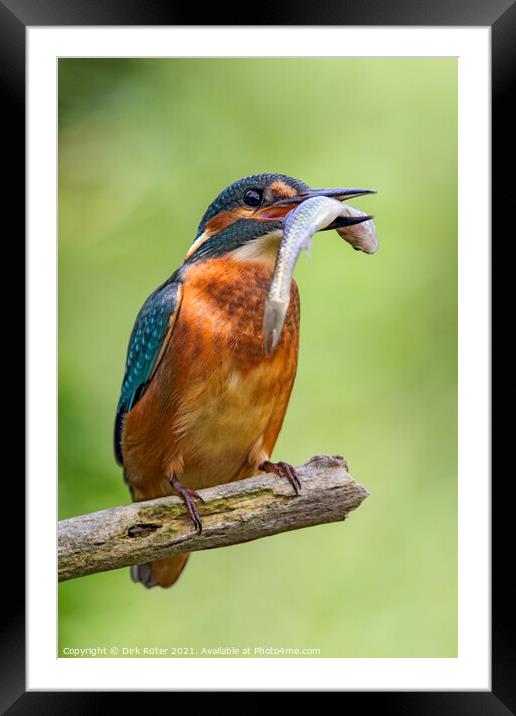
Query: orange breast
[[215, 406]]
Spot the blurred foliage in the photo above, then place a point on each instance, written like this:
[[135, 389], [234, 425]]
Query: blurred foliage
[[144, 146]]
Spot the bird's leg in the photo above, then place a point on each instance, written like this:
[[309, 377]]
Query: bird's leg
[[282, 469], [189, 497]]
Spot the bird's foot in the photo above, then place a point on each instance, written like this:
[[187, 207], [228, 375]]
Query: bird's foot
[[282, 469], [189, 497]]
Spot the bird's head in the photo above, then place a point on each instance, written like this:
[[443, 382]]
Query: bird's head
[[247, 217]]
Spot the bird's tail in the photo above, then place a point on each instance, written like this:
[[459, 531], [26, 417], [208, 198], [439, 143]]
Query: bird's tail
[[161, 572]]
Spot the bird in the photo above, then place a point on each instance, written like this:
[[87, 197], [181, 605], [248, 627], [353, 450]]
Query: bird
[[202, 401]]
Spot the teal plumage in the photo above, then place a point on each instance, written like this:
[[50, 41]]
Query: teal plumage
[[145, 344]]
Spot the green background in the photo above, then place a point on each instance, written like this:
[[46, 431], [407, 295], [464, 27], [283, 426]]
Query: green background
[[144, 146]]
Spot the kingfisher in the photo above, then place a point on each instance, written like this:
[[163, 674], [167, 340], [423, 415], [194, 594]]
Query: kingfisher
[[202, 400]]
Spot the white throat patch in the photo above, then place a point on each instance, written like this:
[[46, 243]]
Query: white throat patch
[[263, 248]]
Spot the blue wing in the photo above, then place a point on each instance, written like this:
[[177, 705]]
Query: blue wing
[[150, 335]]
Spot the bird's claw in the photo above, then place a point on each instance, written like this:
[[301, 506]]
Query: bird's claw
[[189, 497], [283, 469]]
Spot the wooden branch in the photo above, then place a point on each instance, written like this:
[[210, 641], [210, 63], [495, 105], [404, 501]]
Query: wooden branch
[[237, 512]]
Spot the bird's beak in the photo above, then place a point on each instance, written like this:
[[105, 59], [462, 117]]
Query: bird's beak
[[280, 208], [339, 194]]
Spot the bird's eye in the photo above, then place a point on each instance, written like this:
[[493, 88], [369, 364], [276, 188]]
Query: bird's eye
[[253, 197]]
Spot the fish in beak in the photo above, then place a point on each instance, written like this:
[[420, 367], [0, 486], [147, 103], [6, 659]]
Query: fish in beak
[[315, 210]]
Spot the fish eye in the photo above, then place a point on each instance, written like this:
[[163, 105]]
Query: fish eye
[[253, 197]]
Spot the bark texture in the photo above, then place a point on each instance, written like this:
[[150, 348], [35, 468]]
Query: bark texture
[[234, 513]]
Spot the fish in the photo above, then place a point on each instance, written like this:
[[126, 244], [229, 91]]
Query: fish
[[312, 215], [362, 236]]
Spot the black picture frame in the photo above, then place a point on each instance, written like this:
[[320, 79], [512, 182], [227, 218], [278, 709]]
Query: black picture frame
[[500, 15]]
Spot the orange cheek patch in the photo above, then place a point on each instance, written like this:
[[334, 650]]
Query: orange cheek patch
[[282, 190], [218, 223], [224, 219]]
